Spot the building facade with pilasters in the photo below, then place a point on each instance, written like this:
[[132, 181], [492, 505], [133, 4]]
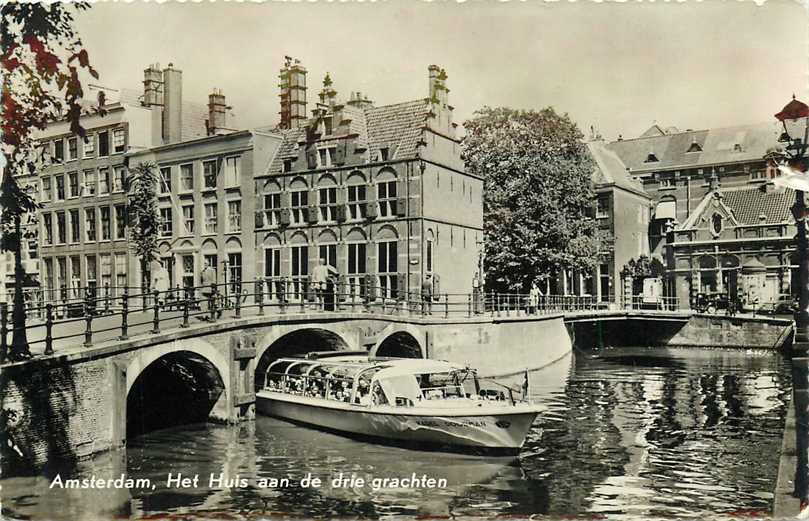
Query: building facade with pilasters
[[379, 193]]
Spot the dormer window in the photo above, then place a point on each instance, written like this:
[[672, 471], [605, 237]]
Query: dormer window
[[694, 148], [716, 224], [383, 154], [737, 147], [651, 158], [328, 125], [287, 165]]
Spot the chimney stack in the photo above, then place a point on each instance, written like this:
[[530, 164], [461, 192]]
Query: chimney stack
[[357, 100], [438, 91], [293, 94], [217, 112], [153, 86], [172, 104]]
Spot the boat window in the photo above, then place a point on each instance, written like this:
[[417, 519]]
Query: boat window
[[378, 395], [440, 386]]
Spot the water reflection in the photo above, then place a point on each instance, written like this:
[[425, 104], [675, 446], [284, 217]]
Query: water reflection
[[628, 432]]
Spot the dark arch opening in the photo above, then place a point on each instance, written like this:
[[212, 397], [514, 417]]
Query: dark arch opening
[[298, 343], [401, 344], [176, 389]]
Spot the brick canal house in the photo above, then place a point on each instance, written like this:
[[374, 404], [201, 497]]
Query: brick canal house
[[717, 223], [379, 192], [82, 235]]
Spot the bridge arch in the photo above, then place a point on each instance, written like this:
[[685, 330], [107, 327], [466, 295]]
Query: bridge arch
[[185, 381], [400, 340], [294, 340]]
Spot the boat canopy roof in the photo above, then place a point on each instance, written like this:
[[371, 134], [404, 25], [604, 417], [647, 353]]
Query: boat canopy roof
[[383, 369], [414, 366]]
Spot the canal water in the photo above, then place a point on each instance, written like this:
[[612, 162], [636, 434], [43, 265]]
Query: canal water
[[629, 433]]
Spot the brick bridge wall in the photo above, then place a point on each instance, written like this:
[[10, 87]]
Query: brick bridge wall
[[73, 404]]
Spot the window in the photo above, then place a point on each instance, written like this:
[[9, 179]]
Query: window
[[89, 146], [234, 216], [103, 144], [92, 273], [89, 186], [62, 266], [120, 270], [328, 204], [106, 228], [300, 261], [602, 208], [47, 228], [75, 276], [47, 191], [328, 252], [49, 282], [72, 148], [74, 226], [272, 269], [287, 165], [165, 180], [60, 188], [386, 193], [232, 171], [119, 140], [234, 270], [90, 224], [187, 177], [118, 179], [666, 183], [651, 158], [209, 173], [299, 202], [73, 184], [429, 255], [210, 218], [120, 221], [106, 270], [59, 151], [103, 181], [165, 222], [272, 209], [387, 265], [325, 156], [188, 219], [356, 202], [383, 153], [356, 268], [61, 228], [188, 271], [694, 148]]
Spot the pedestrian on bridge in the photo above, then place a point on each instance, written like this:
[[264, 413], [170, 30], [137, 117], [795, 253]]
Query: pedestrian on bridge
[[427, 295], [533, 298]]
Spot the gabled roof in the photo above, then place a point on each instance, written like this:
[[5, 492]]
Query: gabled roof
[[748, 204], [397, 127], [718, 146], [610, 170]]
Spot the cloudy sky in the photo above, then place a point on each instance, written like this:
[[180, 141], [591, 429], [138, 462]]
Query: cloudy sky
[[619, 67]]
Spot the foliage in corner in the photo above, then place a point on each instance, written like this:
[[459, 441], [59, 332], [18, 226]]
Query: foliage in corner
[[538, 195], [41, 58]]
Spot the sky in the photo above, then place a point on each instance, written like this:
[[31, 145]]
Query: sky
[[619, 67]]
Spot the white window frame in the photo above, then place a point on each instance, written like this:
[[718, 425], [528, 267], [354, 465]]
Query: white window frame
[[233, 171], [234, 219]]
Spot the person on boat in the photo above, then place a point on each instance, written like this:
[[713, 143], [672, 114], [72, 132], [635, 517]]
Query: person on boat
[[427, 295], [320, 278]]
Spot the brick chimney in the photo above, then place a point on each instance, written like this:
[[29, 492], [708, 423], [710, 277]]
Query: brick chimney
[[172, 104], [217, 112], [153, 86], [293, 94]]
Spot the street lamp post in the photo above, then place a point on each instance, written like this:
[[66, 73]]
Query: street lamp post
[[795, 119]]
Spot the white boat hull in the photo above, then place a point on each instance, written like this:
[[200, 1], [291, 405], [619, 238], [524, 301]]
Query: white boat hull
[[487, 426]]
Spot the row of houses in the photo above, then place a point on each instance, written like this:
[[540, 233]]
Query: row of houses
[[379, 192]]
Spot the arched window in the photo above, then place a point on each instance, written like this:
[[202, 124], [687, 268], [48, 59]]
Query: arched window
[[357, 192], [387, 256], [357, 244]]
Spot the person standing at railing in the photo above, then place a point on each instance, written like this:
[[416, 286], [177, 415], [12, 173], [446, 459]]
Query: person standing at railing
[[477, 294], [320, 279], [533, 298], [208, 281], [160, 282], [427, 295]]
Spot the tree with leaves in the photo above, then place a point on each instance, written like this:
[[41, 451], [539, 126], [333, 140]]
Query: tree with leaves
[[143, 214], [42, 58], [538, 196]]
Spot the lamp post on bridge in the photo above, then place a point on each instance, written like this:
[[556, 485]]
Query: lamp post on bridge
[[795, 119]]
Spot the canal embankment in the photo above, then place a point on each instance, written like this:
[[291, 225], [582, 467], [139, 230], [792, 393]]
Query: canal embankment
[[785, 504], [697, 330]]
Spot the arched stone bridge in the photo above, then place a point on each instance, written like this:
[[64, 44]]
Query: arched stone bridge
[[83, 400]]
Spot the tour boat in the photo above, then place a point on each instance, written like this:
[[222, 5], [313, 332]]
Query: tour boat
[[421, 403]]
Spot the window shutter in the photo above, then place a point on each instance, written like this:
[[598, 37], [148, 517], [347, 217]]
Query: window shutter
[[339, 154], [371, 209], [401, 194], [370, 284], [312, 216], [341, 213], [284, 217], [401, 286], [259, 219], [286, 200], [311, 158]]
